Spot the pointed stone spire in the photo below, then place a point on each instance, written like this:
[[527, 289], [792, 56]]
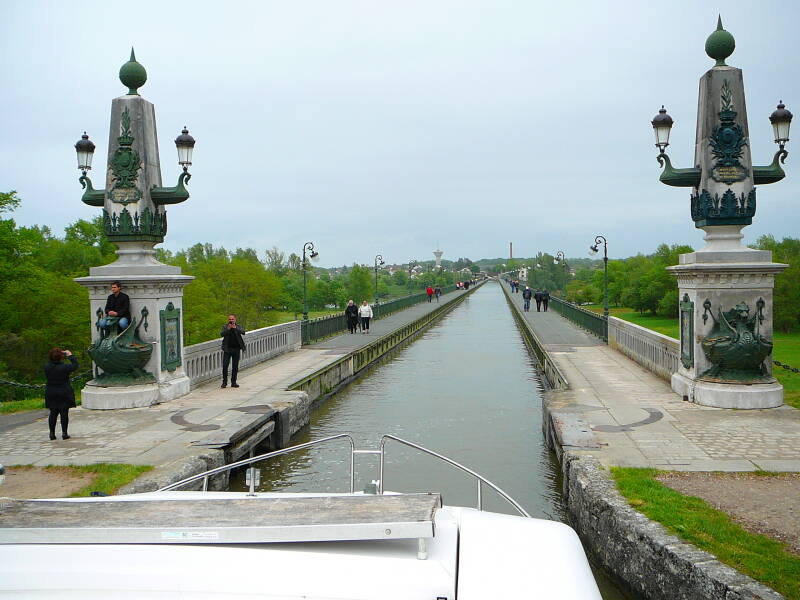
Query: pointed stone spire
[[132, 75]]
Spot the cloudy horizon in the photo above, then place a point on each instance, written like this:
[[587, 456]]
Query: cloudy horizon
[[390, 127]]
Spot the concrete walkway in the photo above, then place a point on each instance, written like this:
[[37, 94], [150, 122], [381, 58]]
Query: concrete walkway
[[167, 432], [626, 416]]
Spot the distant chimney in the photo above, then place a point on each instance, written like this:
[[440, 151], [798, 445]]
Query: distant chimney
[[510, 250]]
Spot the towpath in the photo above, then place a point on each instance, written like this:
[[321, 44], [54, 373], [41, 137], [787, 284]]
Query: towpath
[[168, 432], [627, 416]]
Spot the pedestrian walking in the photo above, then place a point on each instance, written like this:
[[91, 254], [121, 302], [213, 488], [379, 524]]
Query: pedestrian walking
[[351, 313], [538, 297], [429, 291], [365, 312], [58, 394], [437, 291], [232, 347], [545, 300], [526, 299]]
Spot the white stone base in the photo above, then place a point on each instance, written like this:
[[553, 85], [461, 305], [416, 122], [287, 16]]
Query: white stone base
[[174, 388], [95, 397], [728, 395]]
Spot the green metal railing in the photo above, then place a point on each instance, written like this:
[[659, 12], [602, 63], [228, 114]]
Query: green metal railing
[[13, 390], [588, 320], [323, 327]]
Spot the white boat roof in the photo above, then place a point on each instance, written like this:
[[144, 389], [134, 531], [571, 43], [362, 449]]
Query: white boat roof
[[248, 519]]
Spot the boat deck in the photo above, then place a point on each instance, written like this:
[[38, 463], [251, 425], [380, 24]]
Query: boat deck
[[219, 521]]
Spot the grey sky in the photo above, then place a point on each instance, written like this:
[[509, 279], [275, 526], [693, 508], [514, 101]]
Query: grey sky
[[385, 126]]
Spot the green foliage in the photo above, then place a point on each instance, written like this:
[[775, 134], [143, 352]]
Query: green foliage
[[640, 282], [767, 560], [787, 284], [359, 284]]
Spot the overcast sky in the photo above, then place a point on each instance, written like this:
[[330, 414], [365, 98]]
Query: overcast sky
[[377, 126]]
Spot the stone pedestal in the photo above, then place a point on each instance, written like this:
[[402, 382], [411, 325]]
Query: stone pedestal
[[155, 290], [721, 276]]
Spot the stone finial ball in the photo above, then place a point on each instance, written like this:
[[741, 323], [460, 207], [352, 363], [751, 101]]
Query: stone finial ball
[[720, 45], [133, 75]]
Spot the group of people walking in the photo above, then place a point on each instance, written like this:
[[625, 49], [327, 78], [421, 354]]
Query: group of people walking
[[542, 298], [358, 316], [433, 292]]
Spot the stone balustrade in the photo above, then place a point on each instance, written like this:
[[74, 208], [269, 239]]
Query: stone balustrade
[[203, 361], [657, 353]]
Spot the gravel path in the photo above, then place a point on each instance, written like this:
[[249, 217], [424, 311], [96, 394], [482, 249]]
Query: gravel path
[[768, 504]]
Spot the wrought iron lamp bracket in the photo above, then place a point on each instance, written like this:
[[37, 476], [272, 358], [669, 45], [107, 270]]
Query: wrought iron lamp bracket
[[677, 177], [172, 195], [772, 172], [91, 196]]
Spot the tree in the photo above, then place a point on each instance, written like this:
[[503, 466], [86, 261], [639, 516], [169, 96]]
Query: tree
[[786, 311], [359, 284], [276, 261]]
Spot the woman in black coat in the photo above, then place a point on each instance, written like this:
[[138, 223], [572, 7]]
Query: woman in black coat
[[58, 395], [351, 312]]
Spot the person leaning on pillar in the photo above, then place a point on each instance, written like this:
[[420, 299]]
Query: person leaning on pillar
[[232, 347]]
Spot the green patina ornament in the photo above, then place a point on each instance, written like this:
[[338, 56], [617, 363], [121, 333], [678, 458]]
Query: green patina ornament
[[122, 356], [125, 165], [132, 75], [727, 141], [720, 45], [148, 226], [735, 348], [728, 209]]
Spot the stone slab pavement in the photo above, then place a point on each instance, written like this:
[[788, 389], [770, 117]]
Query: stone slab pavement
[[638, 421], [166, 432]]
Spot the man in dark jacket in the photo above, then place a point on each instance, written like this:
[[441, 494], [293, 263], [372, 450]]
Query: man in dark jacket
[[232, 347], [538, 297], [545, 299], [527, 294], [118, 305]]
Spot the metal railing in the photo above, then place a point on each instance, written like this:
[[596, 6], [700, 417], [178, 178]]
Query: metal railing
[[586, 319], [324, 327], [353, 452]]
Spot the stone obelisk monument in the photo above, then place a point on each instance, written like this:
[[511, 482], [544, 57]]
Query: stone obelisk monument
[[139, 365], [725, 289]]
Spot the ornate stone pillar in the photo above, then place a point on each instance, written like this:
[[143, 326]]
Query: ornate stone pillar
[[725, 289], [140, 365]]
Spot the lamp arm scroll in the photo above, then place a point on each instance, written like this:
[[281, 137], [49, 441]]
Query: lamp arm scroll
[[677, 177], [91, 196], [773, 172]]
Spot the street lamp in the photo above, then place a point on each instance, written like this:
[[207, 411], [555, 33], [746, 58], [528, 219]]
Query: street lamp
[[378, 263], [309, 247], [593, 251]]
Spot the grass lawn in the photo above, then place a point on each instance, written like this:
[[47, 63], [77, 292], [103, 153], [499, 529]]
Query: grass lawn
[[108, 477], [762, 558], [787, 347]]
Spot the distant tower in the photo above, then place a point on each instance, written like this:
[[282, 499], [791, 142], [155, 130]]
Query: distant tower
[[510, 250], [438, 254]]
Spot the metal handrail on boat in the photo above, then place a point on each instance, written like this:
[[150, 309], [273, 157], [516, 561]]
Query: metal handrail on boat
[[480, 479], [353, 451]]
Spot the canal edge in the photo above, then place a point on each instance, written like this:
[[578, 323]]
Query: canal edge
[[655, 563]]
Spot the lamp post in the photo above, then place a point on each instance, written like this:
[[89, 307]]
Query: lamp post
[[378, 263], [725, 289], [593, 250], [307, 247]]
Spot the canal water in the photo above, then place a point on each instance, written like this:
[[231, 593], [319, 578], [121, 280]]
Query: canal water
[[466, 388]]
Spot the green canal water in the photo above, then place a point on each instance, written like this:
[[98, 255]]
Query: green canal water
[[466, 388]]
